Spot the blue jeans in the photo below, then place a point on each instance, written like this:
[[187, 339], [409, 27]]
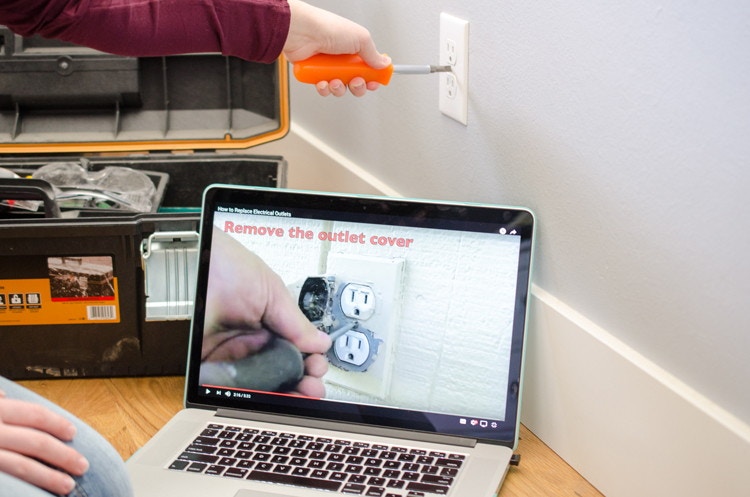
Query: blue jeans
[[106, 476]]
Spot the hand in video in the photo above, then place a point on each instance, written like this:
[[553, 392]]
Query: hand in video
[[252, 322]]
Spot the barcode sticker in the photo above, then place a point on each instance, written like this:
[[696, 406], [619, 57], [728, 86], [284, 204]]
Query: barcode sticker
[[101, 312]]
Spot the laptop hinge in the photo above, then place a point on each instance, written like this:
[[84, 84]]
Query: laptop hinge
[[349, 427]]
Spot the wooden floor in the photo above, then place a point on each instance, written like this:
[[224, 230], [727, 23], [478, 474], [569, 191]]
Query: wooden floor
[[128, 411]]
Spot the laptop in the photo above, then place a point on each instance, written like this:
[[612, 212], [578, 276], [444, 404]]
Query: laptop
[[394, 369]]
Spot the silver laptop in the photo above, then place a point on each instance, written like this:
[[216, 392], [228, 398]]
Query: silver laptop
[[394, 369]]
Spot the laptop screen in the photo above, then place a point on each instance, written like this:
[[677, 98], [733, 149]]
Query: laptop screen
[[424, 304]]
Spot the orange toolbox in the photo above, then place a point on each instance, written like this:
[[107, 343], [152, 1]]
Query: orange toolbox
[[103, 163]]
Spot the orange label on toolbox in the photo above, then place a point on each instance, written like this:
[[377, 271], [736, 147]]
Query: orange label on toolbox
[[79, 290]]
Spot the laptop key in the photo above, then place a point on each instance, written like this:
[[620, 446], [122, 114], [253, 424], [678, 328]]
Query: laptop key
[[319, 473], [201, 449], [396, 484], [427, 488], [193, 456], [235, 472], [449, 472], [215, 470], [196, 467], [449, 463], [206, 441], [300, 481], [357, 479], [353, 488], [179, 465], [437, 480], [353, 468], [301, 471]]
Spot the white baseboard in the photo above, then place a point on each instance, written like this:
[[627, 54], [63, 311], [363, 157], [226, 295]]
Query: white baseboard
[[624, 423], [629, 427]]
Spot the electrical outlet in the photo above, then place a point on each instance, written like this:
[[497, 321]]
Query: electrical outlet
[[454, 51], [353, 348], [374, 284], [358, 301]]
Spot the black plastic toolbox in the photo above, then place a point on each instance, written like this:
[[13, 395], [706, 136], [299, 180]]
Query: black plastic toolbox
[[109, 292]]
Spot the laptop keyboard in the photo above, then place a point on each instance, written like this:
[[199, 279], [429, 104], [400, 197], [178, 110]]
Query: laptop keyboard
[[333, 464]]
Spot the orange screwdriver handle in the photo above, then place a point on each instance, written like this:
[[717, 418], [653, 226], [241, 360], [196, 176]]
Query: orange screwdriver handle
[[325, 67]]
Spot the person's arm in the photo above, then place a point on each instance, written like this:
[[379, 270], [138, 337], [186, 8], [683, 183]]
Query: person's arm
[[253, 30]]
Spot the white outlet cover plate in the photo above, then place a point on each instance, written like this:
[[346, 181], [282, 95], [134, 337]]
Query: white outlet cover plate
[[384, 275], [454, 51]]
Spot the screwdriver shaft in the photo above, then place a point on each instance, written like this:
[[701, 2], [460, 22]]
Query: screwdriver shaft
[[419, 69]]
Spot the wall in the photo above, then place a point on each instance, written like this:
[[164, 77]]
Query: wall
[[624, 127]]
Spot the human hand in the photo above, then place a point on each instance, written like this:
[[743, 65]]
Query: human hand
[[313, 30], [247, 302], [32, 446]]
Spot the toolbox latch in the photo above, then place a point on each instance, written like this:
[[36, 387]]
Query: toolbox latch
[[170, 265]]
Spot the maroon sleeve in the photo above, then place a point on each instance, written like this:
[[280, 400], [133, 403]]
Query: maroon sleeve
[[251, 29]]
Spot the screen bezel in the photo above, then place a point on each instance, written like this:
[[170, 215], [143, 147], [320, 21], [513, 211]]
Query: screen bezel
[[374, 210]]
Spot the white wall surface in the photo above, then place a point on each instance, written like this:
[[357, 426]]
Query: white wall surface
[[625, 126]]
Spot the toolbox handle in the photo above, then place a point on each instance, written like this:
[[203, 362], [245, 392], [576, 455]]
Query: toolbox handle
[[30, 189], [170, 264], [159, 236]]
